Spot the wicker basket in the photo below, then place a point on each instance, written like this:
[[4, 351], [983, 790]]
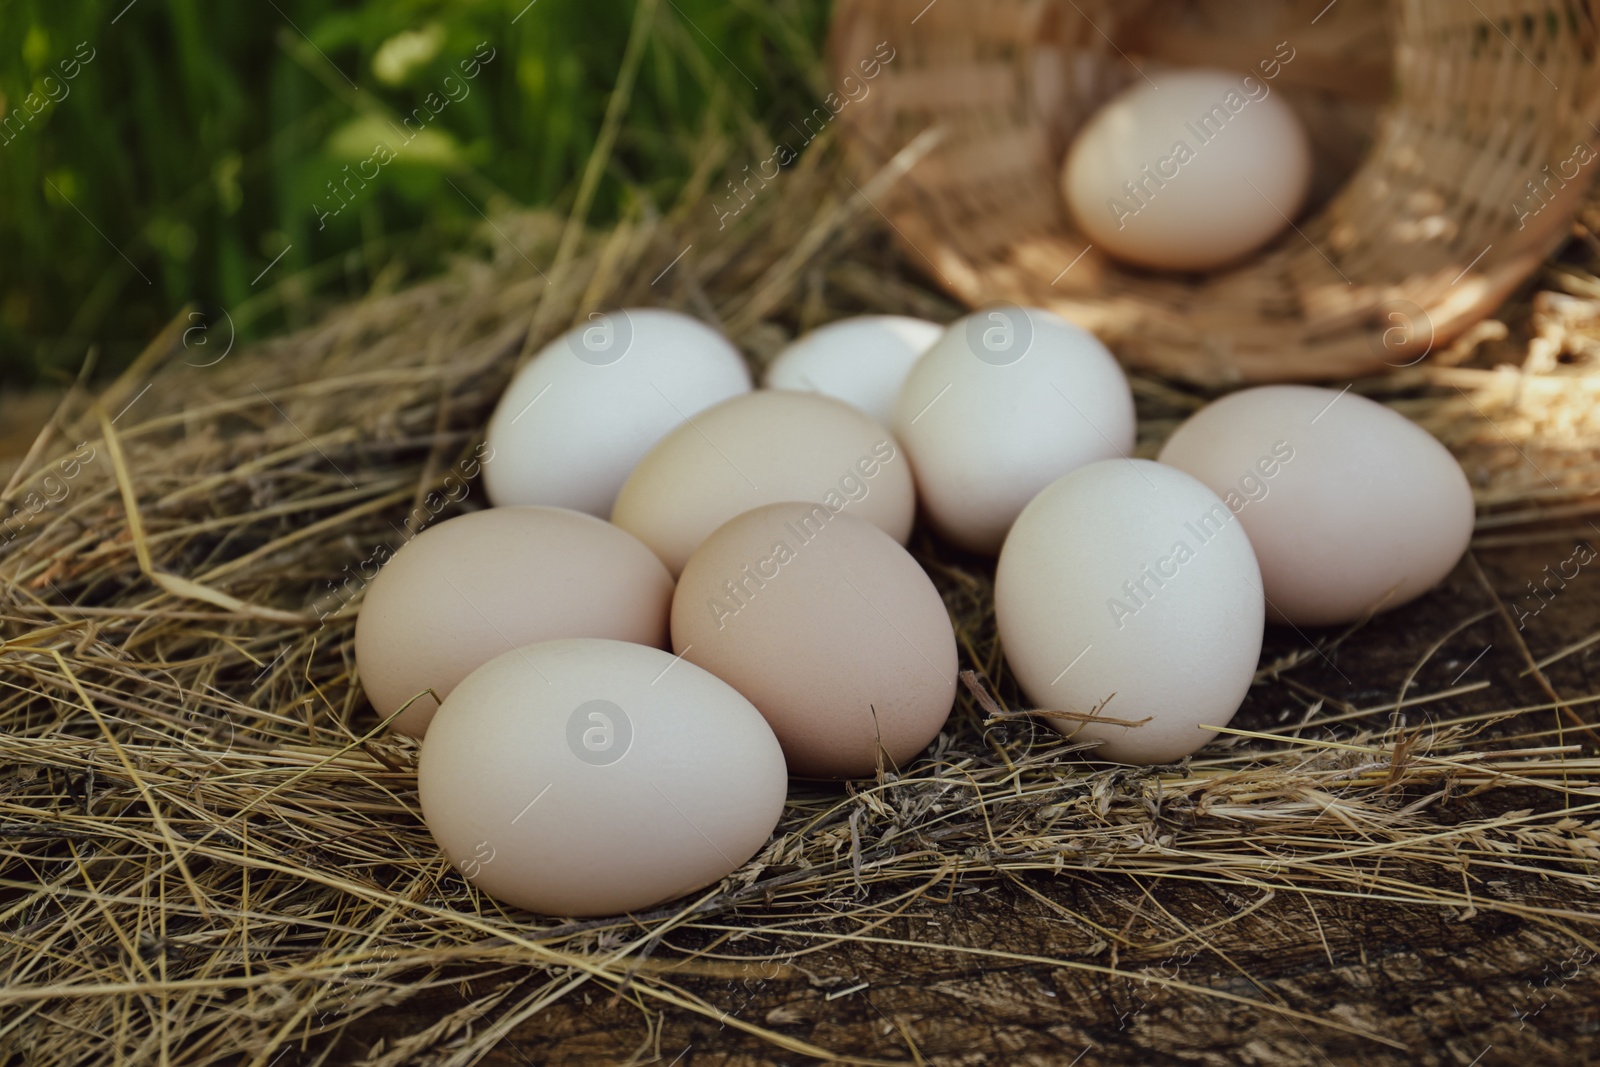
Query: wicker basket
[[1429, 121]]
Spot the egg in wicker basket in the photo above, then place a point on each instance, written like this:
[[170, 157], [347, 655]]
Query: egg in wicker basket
[[1451, 140]]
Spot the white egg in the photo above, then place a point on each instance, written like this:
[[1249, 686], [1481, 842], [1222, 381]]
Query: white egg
[[1005, 402], [591, 777], [581, 414], [862, 361], [1189, 173], [1129, 588]]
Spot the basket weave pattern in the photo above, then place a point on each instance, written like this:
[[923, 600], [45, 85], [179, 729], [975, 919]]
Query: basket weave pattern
[[1453, 142]]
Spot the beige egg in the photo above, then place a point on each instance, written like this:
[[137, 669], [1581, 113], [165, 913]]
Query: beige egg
[[469, 588], [831, 629], [1189, 173], [589, 777], [763, 448], [1352, 507]]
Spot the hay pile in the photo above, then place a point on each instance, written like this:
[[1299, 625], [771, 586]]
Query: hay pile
[[209, 854]]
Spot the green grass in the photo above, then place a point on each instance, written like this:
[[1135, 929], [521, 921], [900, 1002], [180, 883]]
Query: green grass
[[198, 140]]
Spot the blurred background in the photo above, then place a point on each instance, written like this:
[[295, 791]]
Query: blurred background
[[263, 159]]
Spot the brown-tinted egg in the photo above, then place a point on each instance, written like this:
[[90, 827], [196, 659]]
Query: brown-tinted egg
[[829, 627], [474, 586], [762, 448]]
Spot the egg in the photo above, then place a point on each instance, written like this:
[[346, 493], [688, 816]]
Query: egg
[[764, 448], [467, 589], [829, 627], [1005, 402], [1352, 507], [576, 419], [1127, 589], [862, 361], [1189, 173], [591, 777]]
